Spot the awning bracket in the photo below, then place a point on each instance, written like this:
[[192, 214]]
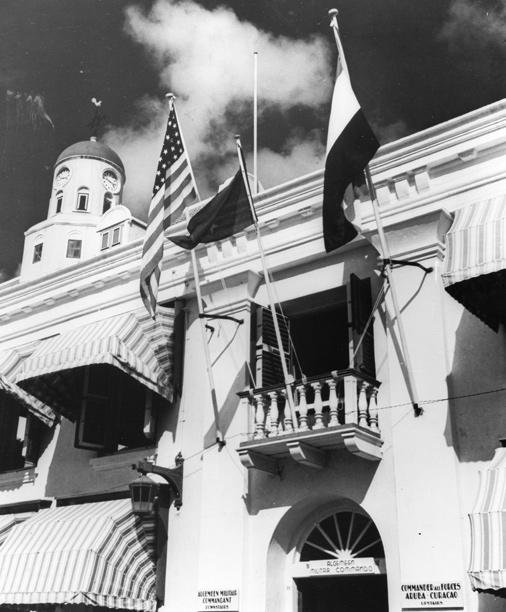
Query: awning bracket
[[404, 262], [203, 315]]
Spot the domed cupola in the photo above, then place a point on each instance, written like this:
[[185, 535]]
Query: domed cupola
[[87, 183], [89, 177]]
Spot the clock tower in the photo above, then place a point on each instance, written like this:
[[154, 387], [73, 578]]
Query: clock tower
[[86, 217]]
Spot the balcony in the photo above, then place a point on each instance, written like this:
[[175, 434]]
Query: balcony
[[338, 410]]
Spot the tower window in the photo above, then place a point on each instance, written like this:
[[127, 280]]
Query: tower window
[[105, 240], [37, 252], [116, 236], [82, 200], [74, 249], [107, 202], [59, 202]]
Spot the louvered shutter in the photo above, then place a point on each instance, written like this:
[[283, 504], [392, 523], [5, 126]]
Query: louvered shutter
[[361, 306], [266, 361], [94, 429]]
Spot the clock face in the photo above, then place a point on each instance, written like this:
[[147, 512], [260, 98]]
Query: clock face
[[110, 181], [61, 178]]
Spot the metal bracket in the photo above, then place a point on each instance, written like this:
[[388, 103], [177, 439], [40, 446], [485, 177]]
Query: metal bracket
[[405, 262], [203, 315], [174, 476]]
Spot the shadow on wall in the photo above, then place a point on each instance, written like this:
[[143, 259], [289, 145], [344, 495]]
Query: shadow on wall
[[297, 484], [228, 408], [477, 419], [490, 602]]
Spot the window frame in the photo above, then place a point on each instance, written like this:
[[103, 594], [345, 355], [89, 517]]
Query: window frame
[[116, 231], [37, 254], [82, 193], [108, 199], [104, 235], [25, 448], [59, 202], [114, 414], [69, 240]]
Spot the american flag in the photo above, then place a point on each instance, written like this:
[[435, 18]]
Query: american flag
[[173, 190]]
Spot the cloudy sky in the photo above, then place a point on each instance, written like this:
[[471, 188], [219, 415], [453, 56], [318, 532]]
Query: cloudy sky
[[413, 63]]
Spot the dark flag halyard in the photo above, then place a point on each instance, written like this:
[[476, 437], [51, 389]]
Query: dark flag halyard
[[226, 214], [174, 189], [351, 144]]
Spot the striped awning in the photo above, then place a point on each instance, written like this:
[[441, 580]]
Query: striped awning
[[475, 261], [8, 521], [94, 554], [133, 342], [487, 569], [10, 362]]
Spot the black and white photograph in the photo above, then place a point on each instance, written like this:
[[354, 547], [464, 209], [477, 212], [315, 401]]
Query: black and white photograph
[[252, 305]]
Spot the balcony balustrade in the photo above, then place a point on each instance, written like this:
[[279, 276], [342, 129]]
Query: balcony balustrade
[[331, 411]]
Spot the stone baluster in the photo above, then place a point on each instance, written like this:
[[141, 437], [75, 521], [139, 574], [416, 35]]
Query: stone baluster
[[341, 416], [274, 414], [302, 408], [350, 399], [289, 426], [363, 420], [318, 406], [259, 417], [333, 403], [373, 410]]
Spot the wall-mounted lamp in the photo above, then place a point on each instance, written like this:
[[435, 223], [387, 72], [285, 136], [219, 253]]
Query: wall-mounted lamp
[[144, 491]]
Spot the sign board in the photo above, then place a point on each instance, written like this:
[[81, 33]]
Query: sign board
[[426, 595], [339, 567], [218, 600]]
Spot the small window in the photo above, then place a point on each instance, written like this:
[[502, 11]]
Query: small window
[[37, 252], [116, 236], [74, 249], [82, 201], [107, 202], [59, 202], [105, 241]]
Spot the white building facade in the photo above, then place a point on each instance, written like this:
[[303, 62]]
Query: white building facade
[[350, 501]]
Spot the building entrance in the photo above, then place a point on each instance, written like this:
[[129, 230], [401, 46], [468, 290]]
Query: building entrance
[[341, 567]]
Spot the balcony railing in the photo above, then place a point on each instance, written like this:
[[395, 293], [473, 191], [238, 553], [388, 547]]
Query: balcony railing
[[330, 411]]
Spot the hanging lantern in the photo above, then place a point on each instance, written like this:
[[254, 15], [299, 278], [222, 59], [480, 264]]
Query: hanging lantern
[[143, 492]]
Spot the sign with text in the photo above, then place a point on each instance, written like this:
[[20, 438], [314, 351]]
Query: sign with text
[[218, 600], [339, 567], [425, 595]]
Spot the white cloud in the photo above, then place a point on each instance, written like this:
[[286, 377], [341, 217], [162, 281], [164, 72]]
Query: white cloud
[[470, 22], [206, 58]]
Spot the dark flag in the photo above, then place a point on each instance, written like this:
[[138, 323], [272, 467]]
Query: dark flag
[[226, 214], [351, 144]]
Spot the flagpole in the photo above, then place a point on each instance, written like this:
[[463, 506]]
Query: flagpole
[[200, 303], [287, 377], [384, 246], [255, 121]]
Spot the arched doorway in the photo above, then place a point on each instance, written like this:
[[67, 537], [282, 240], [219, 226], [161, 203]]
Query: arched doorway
[[341, 566]]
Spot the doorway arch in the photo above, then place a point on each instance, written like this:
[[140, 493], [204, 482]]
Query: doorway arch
[[339, 565]]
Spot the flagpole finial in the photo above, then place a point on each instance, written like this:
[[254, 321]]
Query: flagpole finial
[[170, 96], [333, 13], [237, 138]]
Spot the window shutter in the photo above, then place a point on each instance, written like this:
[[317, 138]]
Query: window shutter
[[93, 427], [35, 431], [361, 306], [266, 360]]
